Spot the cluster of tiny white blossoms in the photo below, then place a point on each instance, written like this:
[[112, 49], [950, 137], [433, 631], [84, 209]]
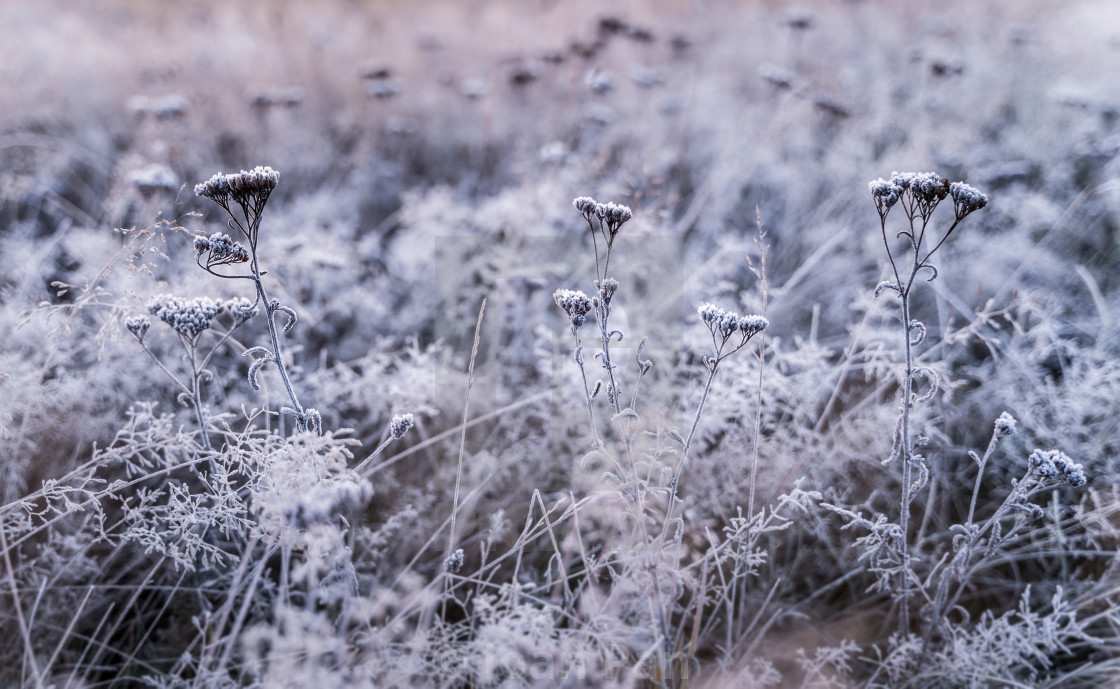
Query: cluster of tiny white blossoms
[[724, 323], [138, 326], [1005, 425], [612, 215], [245, 187], [966, 199], [920, 192], [574, 303], [241, 309], [188, 317], [400, 425], [607, 288], [1048, 464], [220, 249]]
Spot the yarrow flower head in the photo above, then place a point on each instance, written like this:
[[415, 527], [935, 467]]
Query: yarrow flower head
[[248, 187], [260, 181], [613, 214], [241, 309], [574, 303], [586, 206], [966, 199], [723, 324], [220, 249], [926, 188], [719, 322], [1050, 463], [216, 189], [188, 317], [607, 288], [885, 194], [1005, 425], [138, 326], [400, 425], [752, 325]]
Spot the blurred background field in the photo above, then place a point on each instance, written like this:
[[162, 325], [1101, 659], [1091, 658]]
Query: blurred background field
[[428, 154]]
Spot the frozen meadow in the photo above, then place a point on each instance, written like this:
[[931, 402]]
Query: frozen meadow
[[648, 344]]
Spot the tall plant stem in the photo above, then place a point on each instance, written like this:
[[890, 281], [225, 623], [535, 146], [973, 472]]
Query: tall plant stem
[[463, 437], [615, 394], [270, 318], [684, 454], [907, 456], [196, 398]]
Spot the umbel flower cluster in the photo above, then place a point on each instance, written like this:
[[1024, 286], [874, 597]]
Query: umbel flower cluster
[[920, 192], [1050, 464], [574, 303], [219, 249], [724, 324], [614, 215], [242, 187], [190, 317], [400, 425], [604, 220], [187, 317], [249, 189]]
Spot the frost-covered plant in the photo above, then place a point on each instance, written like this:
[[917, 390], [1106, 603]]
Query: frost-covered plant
[[189, 319], [918, 194], [944, 632], [243, 196], [604, 220], [730, 332]]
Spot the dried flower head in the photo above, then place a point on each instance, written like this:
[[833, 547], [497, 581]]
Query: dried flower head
[[607, 288], [187, 317], [966, 199], [216, 189], [586, 206], [1005, 425], [885, 193], [752, 325], [613, 214], [724, 324], [258, 182], [400, 425], [719, 322], [454, 561], [241, 309], [574, 303], [928, 187], [220, 249], [248, 187], [1049, 464], [138, 326]]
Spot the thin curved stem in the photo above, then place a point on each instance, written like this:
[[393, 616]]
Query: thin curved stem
[[684, 452], [196, 395], [277, 358], [887, 245]]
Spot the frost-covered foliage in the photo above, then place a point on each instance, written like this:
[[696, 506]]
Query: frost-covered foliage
[[387, 407]]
